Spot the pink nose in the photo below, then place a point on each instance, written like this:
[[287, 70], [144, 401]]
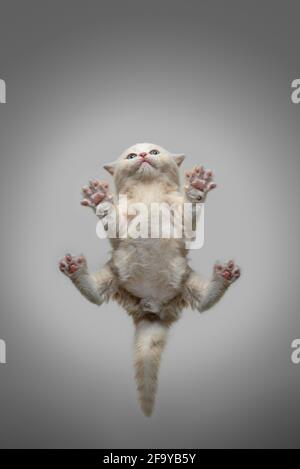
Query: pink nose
[[143, 155]]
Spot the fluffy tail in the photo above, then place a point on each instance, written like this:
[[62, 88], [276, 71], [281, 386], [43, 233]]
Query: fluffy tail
[[150, 339]]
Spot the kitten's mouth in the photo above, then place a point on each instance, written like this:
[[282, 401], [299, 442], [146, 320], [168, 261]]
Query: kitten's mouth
[[144, 162]]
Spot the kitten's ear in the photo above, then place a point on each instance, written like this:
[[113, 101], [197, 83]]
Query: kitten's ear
[[179, 159], [110, 168]]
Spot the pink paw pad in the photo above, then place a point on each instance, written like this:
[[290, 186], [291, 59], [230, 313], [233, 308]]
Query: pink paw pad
[[198, 183], [71, 264], [95, 193], [229, 272]]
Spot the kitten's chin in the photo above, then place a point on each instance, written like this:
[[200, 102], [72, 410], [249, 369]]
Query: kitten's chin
[[146, 169]]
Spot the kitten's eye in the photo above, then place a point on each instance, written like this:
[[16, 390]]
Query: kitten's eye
[[130, 156], [154, 152]]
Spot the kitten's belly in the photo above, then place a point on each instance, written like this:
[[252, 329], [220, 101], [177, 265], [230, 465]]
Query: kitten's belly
[[151, 268]]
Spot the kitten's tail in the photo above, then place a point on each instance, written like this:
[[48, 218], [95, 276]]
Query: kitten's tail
[[150, 339]]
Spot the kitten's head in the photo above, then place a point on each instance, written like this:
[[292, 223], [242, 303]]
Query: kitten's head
[[145, 162]]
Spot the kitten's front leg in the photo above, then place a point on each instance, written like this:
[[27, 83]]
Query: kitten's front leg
[[96, 288], [198, 182]]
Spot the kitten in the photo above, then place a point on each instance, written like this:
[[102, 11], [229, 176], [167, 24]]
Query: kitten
[[150, 278]]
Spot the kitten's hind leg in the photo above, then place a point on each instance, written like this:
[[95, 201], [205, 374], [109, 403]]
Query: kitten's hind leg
[[97, 287], [202, 294]]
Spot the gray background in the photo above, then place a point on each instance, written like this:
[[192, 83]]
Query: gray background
[[84, 81]]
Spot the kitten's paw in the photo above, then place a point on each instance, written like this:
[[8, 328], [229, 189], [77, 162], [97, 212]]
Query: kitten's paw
[[97, 192], [228, 273], [198, 182], [72, 265]]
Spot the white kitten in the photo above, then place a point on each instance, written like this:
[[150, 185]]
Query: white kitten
[[149, 277]]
